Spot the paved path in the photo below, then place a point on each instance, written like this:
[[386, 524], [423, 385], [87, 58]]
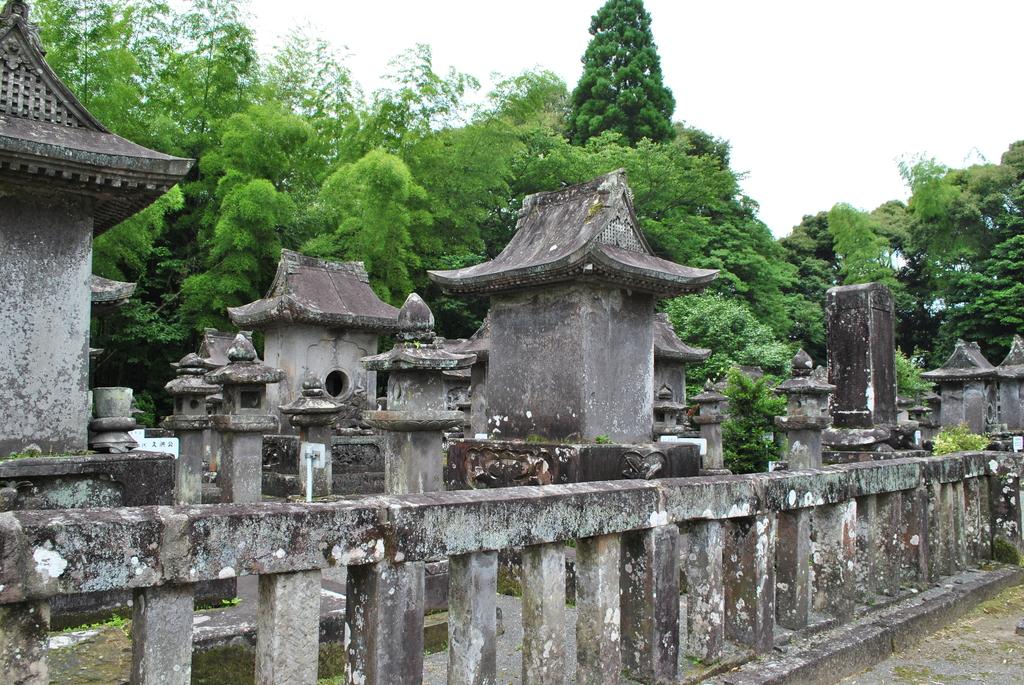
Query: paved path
[[981, 647]]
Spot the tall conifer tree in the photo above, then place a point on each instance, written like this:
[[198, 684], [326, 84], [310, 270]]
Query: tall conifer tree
[[621, 88]]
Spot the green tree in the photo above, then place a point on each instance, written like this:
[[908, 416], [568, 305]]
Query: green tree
[[621, 88], [862, 254], [732, 333], [373, 204], [748, 434]]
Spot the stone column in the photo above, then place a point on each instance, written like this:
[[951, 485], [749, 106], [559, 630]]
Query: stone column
[[162, 635], [313, 413], [416, 416], [650, 604], [1011, 387], [792, 568], [705, 615], [244, 422], [834, 557], [749, 580], [806, 413], [23, 642], [472, 614], [598, 636], [190, 422], [385, 604], [108, 431], [710, 420]]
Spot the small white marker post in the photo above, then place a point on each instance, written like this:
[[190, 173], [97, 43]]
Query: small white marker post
[[1018, 443], [315, 456]]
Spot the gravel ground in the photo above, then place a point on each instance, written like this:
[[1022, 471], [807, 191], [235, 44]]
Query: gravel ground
[[981, 647]]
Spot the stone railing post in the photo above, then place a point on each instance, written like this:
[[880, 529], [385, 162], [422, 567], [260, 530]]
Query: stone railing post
[[313, 413], [288, 627], [806, 413], [1005, 508], [245, 421], [705, 590], [649, 569], [544, 634], [190, 422], [749, 580], [162, 635], [710, 418], [24, 629], [834, 557], [792, 568], [598, 636], [385, 604]]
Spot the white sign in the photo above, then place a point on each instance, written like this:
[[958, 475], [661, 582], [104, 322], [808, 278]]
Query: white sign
[[917, 438], [163, 445], [317, 452], [1018, 443], [480, 436]]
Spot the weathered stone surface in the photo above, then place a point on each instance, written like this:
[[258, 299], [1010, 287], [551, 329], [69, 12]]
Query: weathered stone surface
[[862, 355], [288, 628], [705, 591], [162, 636], [650, 604], [598, 636], [748, 573], [472, 610], [543, 580], [792, 568], [384, 623], [23, 637], [114, 480], [833, 555]]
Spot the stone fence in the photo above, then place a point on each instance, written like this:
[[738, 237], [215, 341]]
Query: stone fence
[[752, 552]]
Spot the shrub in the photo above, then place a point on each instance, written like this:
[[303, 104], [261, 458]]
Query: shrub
[[752, 412], [958, 439]]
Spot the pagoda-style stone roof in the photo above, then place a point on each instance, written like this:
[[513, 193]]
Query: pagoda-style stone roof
[[320, 293], [584, 232], [1013, 365], [479, 343], [966, 363], [214, 346], [667, 344], [417, 348], [109, 294], [49, 140]]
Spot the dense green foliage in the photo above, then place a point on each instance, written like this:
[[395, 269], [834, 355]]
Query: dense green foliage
[[291, 153], [621, 88], [748, 434], [958, 439]]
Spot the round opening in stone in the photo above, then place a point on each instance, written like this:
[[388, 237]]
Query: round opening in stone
[[336, 384]]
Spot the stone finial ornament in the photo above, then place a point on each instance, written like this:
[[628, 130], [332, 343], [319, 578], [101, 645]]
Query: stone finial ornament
[[806, 412]]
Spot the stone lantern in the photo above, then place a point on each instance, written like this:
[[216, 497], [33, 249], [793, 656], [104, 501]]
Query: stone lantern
[[313, 413], [671, 356], [245, 419], [64, 178], [417, 412], [190, 423], [709, 418], [806, 413]]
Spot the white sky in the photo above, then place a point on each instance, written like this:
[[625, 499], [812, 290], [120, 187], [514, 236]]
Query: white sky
[[819, 99]]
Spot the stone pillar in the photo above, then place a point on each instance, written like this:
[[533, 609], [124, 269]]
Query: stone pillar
[[964, 381], [806, 413], [108, 431], [710, 418], [749, 580], [190, 424], [834, 557], [416, 416], [46, 242], [313, 413], [598, 643], [705, 592], [23, 642], [792, 568], [915, 537], [650, 604], [1005, 507], [862, 355], [472, 612], [385, 601], [162, 635], [288, 628], [245, 421], [543, 579]]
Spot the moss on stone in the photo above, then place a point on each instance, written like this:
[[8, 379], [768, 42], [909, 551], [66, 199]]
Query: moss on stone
[[1005, 552]]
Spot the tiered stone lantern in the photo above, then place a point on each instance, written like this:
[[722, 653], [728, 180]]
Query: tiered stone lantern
[[244, 421], [710, 417], [190, 423], [313, 413], [112, 411], [417, 413], [806, 413]]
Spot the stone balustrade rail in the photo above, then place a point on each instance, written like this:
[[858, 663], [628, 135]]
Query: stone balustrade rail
[[751, 552]]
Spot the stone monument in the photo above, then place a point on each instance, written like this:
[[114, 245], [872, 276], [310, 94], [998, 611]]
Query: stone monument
[[1011, 387], [319, 319], [671, 356], [572, 316], [64, 179], [806, 413], [967, 387]]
